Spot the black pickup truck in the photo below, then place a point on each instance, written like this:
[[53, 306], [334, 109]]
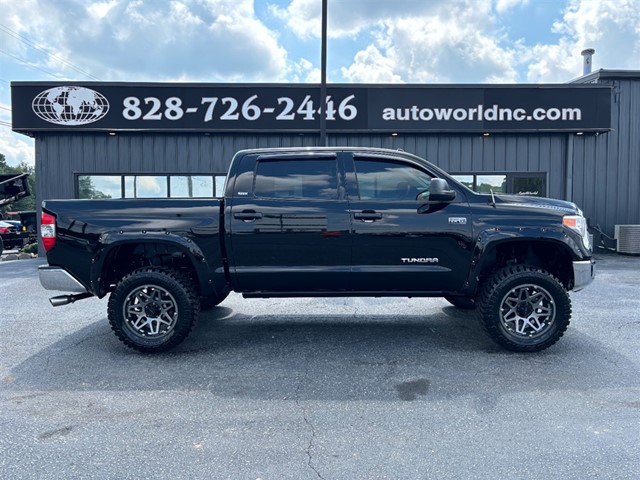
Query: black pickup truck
[[322, 222]]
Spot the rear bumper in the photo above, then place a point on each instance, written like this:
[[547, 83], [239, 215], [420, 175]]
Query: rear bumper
[[583, 273], [56, 278]]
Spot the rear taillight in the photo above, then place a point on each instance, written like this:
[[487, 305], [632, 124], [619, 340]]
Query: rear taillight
[[48, 231], [4, 230]]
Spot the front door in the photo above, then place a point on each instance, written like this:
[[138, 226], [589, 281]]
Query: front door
[[291, 233], [395, 248]]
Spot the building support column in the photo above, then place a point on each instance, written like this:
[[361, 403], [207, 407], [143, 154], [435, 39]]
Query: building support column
[[568, 172]]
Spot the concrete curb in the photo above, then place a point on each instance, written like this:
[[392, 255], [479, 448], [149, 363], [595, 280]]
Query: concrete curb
[[18, 256]]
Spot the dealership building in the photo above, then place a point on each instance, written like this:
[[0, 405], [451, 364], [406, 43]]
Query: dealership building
[[578, 141]]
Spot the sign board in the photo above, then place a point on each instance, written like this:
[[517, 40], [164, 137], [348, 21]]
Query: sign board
[[93, 106]]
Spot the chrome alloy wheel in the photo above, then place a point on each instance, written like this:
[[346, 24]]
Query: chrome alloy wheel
[[150, 311], [527, 311]]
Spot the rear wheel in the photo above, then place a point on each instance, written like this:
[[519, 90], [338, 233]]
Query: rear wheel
[[153, 309], [525, 309]]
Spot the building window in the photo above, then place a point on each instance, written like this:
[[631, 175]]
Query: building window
[[491, 183], [467, 180], [192, 186], [145, 186], [525, 184], [532, 185], [149, 186], [99, 186]]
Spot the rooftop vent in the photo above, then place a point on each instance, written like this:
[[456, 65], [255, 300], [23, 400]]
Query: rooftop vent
[[586, 60]]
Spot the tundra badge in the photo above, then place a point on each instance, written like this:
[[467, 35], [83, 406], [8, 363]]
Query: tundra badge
[[420, 260]]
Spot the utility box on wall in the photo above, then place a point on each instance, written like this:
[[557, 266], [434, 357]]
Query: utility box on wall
[[628, 239]]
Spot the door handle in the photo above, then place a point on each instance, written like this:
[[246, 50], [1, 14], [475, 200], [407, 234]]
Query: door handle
[[247, 216], [367, 216]]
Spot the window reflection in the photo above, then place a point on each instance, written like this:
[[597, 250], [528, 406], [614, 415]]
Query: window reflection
[[145, 186], [220, 181], [189, 186], [150, 186], [491, 183], [390, 181], [466, 180], [295, 179], [99, 186]]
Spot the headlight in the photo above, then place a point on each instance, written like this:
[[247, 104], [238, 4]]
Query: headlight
[[579, 224]]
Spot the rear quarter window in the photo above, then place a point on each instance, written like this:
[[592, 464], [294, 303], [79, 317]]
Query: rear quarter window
[[309, 179]]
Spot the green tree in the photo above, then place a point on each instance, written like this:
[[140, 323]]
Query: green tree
[[27, 203], [86, 189]]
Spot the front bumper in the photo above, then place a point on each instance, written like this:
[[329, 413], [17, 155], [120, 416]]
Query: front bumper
[[583, 273], [56, 278]]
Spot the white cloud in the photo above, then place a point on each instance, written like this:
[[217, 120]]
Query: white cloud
[[504, 5], [303, 71], [458, 45], [16, 148], [470, 40], [612, 27], [370, 66], [208, 40], [101, 9], [452, 42], [348, 18]]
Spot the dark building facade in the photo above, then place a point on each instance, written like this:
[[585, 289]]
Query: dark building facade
[[578, 141]]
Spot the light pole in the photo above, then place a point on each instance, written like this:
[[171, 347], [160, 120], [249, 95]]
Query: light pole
[[323, 78]]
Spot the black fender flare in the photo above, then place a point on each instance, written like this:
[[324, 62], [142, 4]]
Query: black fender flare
[[111, 241], [488, 239]]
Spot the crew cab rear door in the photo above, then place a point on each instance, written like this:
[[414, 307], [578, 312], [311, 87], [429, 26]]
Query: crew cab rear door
[[288, 224], [396, 248]]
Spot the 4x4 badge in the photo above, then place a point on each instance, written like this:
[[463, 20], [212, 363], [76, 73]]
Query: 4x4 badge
[[458, 220]]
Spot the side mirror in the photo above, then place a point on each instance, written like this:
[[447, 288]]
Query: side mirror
[[439, 191]]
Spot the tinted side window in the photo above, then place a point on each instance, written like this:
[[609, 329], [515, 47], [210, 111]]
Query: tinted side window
[[296, 179], [387, 180]]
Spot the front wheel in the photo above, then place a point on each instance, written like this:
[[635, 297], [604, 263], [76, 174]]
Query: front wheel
[[153, 309], [525, 309]]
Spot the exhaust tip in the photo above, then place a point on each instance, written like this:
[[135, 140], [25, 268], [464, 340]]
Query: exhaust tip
[[67, 299], [60, 300]]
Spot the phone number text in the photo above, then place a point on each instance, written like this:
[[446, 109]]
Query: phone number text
[[230, 109]]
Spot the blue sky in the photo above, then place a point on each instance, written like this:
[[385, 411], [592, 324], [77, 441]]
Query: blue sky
[[370, 41]]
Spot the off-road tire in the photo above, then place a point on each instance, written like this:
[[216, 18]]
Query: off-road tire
[[524, 308], [153, 309], [464, 303]]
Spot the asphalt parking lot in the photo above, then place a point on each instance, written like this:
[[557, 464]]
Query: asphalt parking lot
[[319, 388]]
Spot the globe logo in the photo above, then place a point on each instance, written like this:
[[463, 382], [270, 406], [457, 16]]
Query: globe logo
[[70, 105]]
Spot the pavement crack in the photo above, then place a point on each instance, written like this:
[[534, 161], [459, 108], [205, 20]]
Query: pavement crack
[[310, 447], [308, 423]]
